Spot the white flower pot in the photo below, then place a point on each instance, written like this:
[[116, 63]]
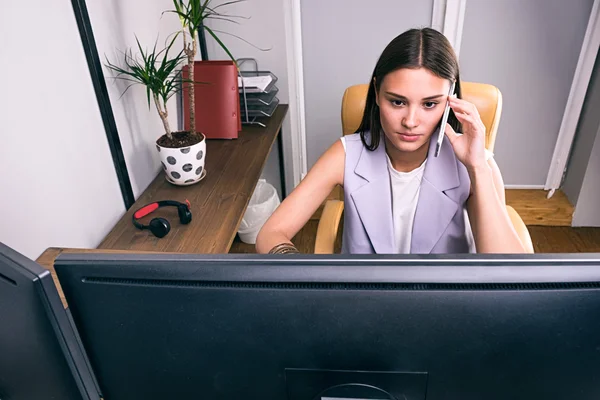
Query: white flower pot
[[184, 165]]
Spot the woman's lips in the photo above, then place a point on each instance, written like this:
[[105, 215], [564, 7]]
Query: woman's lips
[[409, 137]]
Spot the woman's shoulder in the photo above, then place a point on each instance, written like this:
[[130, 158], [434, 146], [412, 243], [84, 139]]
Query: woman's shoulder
[[351, 138]]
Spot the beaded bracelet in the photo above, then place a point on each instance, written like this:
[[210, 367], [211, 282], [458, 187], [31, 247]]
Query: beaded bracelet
[[284, 248]]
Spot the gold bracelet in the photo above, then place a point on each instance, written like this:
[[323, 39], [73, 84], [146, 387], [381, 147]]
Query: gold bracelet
[[284, 248]]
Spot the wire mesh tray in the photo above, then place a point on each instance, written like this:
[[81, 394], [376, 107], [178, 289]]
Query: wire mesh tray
[[260, 98], [261, 110], [250, 89]]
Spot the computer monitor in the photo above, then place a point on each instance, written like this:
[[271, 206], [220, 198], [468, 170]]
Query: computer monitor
[[305, 327], [40, 357]]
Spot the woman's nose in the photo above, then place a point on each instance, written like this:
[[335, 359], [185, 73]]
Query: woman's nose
[[410, 120]]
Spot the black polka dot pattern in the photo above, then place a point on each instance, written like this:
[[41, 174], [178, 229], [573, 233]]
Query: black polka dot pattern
[[199, 171], [158, 148], [171, 160], [199, 155], [175, 175], [185, 150], [163, 165], [189, 181], [187, 167]]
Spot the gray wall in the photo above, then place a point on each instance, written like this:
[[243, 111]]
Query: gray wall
[[587, 209], [529, 49], [342, 40], [582, 182], [585, 136]]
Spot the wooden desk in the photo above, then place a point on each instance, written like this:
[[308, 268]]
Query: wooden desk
[[218, 202]]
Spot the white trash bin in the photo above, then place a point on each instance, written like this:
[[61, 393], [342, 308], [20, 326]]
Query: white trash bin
[[262, 204]]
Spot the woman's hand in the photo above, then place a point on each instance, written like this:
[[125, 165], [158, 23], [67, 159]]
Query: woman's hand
[[470, 146]]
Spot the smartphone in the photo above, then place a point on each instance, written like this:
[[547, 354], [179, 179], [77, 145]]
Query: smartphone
[[440, 138]]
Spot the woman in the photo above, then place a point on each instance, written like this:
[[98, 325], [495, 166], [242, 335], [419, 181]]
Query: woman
[[398, 197]]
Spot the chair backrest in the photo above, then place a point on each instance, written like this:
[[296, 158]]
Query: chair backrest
[[487, 98]]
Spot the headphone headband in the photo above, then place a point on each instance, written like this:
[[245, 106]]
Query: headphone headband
[[183, 209], [148, 208]]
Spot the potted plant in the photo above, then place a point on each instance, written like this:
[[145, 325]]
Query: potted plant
[[182, 154]]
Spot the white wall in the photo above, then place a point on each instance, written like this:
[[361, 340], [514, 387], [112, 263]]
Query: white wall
[[58, 183], [342, 40], [115, 24], [59, 186], [264, 29], [529, 50]]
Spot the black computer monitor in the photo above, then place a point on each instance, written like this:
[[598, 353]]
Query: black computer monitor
[[40, 357], [302, 327]]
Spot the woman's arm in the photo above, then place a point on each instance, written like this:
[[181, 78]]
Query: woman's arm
[[297, 208], [491, 225]]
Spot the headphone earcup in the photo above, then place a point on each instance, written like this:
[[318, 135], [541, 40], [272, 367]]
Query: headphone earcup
[[159, 227], [185, 215]]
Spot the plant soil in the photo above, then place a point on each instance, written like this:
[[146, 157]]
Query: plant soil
[[180, 139]]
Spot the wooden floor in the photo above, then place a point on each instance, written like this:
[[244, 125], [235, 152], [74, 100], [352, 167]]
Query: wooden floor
[[548, 221], [535, 209], [564, 239]]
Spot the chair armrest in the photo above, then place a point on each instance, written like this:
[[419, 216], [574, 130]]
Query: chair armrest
[[329, 224], [521, 229]]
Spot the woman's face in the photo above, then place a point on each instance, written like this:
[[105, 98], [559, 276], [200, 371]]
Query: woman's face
[[411, 104]]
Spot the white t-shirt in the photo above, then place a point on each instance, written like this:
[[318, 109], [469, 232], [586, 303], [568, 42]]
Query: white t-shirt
[[405, 196]]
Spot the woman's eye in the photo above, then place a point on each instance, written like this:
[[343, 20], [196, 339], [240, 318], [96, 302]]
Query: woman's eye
[[430, 104], [397, 103]]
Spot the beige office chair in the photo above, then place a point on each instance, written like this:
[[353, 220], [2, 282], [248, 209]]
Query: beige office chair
[[487, 99]]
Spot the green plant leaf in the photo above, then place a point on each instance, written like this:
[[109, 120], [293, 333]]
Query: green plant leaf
[[156, 70], [228, 3]]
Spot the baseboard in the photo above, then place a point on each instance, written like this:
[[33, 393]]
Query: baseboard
[[532, 187]]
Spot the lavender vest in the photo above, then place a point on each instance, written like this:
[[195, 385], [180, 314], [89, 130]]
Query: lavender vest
[[439, 223]]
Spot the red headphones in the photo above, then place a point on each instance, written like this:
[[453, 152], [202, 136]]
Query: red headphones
[[160, 226]]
